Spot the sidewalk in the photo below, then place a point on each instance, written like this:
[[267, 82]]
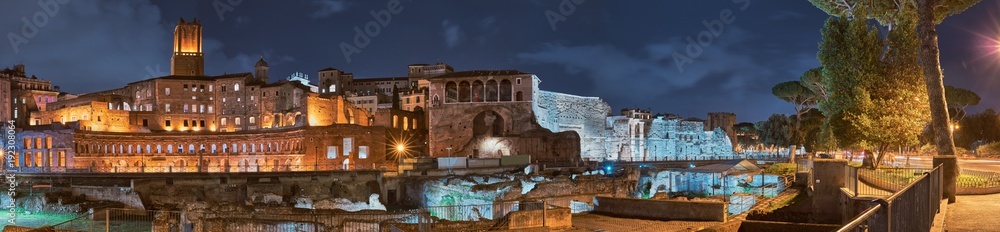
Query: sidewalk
[[974, 213]]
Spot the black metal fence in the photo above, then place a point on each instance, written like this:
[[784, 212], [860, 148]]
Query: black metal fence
[[497, 216], [978, 179], [912, 208], [882, 181], [124, 220], [201, 169]]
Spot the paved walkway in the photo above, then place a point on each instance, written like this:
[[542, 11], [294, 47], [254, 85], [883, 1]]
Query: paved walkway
[[974, 213]]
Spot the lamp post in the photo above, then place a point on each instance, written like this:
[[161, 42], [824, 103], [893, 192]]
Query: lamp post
[[450, 159]]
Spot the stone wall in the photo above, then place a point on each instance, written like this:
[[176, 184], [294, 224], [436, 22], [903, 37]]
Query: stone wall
[[662, 209], [560, 112], [122, 194]]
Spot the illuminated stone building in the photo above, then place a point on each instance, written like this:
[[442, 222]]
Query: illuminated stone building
[[22, 94], [189, 121]]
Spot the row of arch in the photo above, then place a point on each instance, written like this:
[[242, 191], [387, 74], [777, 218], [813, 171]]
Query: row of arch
[[477, 91], [406, 124], [239, 164], [190, 148]]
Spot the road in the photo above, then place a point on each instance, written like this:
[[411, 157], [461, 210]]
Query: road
[[969, 164]]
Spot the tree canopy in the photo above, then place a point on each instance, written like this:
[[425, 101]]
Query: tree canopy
[[776, 131], [889, 12], [876, 97]]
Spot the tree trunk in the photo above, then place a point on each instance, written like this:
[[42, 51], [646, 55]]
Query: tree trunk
[[930, 60]]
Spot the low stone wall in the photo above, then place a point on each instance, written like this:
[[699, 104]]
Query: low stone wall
[[661, 209], [767, 226], [121, 194], [977, 191], [558, 218]]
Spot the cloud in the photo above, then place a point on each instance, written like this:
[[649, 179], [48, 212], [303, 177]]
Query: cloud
[[452, 34], [637, 76], [92, 46], [327, 8]]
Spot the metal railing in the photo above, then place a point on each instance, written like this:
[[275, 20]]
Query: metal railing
[[497, 216], [124, 220], [978, 179], [202, 169], [912, 208], [882, 181]]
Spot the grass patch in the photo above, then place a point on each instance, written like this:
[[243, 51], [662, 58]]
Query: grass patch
[[786, 202], [784, 169]]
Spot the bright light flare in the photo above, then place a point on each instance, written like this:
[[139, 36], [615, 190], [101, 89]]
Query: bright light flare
[[400, 146]]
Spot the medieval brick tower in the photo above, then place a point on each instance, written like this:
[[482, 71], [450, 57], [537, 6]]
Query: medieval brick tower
[[188, 60], [725, 121]]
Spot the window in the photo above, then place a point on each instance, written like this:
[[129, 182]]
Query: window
[[251, 97], [236, 87], [201, 123], [166, 123], [209, 109], [237, 121], [194, 97], [331, 152], [518, 81], [185, 108], [223, 122], [362, 152], [202, 87], [185, 87], [201, 109], [166, 107], [145, 122], [210, 88], [223, 88], [185, 123], [251, 120], [348, 146], [166, 91]]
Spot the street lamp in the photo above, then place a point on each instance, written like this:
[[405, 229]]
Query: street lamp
[[452, 163]]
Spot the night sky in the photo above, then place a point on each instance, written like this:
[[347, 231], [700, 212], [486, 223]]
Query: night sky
[[620, 51]]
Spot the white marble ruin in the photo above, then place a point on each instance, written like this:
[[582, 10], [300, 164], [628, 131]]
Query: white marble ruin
[[606, 137]]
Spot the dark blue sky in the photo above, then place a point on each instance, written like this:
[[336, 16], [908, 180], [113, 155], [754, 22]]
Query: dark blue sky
[[620, 51]]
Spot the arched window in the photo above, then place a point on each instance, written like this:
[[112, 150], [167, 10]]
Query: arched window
[[406, 123], [237, 121], [236, 87], [222, 122], [252, 120], [333, 88], [492, 91], [505, 90], [395, 121], [464, 92], [477, 91], [451, 92]]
